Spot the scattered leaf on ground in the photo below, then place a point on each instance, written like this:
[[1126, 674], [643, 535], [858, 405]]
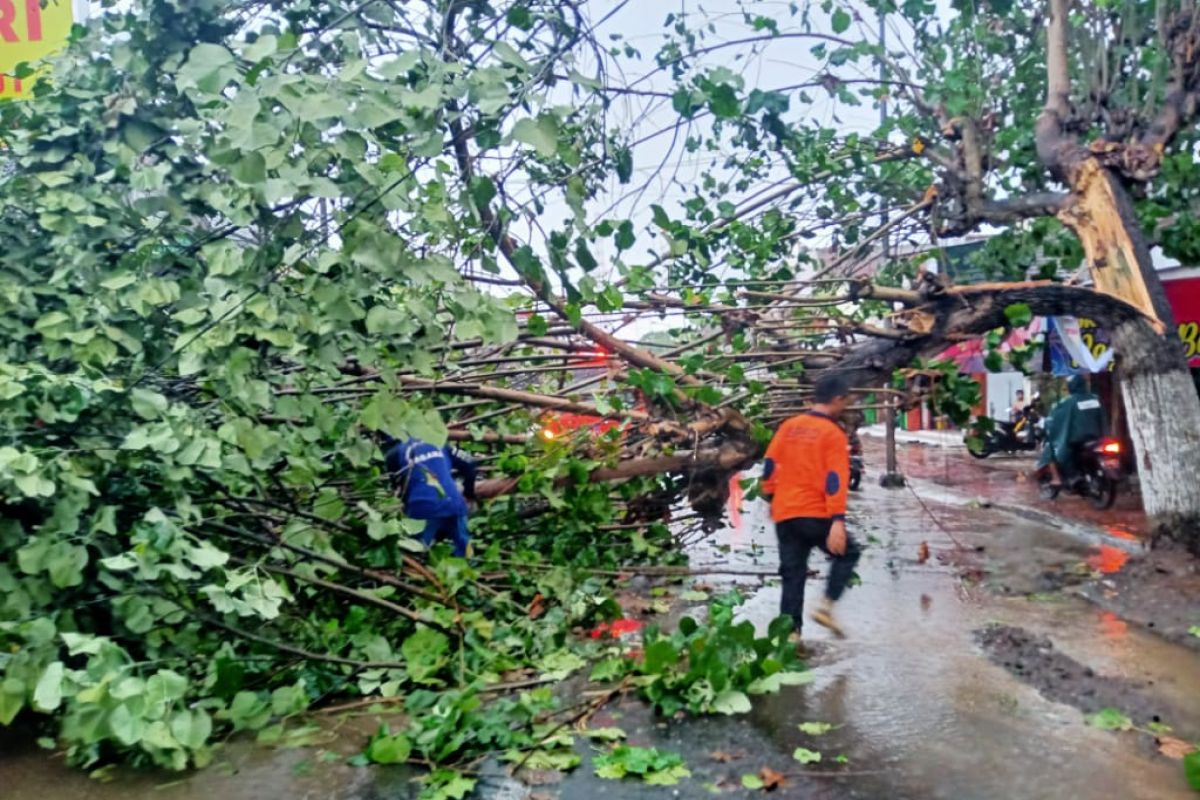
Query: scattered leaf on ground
[[1110, 719], [1171, 747], [842, 759], [693, 596], [538, 606], [815, 728], [771, 780], [1194, 630], [1158, 728], [923, 553], [1191, 769], [752, 781], [604, 734], [723, 757], [806, 756], [655, 767], [731, 702]]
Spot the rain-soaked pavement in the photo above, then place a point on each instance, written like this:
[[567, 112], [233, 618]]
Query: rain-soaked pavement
[[920, 709]]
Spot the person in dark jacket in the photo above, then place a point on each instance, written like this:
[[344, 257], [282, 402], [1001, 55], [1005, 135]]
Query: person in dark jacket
[[1073, 420], [424, 475]]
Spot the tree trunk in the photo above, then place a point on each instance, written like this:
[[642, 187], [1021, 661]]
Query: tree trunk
[[1163, 415], [1161, 402], [1160, 398]]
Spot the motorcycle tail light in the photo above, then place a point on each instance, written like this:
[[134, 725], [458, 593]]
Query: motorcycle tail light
[[1111, 448]]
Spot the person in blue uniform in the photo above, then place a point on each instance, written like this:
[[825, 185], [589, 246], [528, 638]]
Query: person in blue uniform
[[424, 475]]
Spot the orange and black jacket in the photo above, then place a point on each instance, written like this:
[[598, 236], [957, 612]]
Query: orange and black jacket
[[807, 469]]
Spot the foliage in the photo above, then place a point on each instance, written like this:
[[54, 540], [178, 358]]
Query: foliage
[[1110, 719], [651, 765], [1191, 769], [714, 667], [215, 232], [806, 756], [952, 393], [236, 242]]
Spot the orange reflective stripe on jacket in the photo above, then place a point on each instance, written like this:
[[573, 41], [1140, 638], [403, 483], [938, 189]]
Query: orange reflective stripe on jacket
[[808, 469]]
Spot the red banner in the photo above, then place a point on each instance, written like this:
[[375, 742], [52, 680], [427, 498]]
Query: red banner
[[1184, 296]]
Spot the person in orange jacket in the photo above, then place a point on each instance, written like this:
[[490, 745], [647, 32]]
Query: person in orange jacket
[[806, 476]]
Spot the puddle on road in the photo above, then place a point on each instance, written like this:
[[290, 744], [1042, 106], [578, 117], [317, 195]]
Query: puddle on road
[[916, 699]]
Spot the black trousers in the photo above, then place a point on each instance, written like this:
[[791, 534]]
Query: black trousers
[[797, 537]]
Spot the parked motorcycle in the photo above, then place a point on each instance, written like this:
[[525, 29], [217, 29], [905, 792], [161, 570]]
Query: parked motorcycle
[[1025, 434], [1097, 473]]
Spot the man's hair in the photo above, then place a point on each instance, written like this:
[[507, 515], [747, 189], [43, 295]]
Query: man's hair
[[829, 388], [1021, 392]]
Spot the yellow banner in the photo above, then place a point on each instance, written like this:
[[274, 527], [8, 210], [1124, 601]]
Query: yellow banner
[[28, 33]]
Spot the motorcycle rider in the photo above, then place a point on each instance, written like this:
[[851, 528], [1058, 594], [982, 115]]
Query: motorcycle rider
[[1073, 420], [1018, 407]]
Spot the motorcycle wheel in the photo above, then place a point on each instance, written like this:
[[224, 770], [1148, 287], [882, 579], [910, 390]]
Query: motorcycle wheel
[[1101, 490], [981, 450]]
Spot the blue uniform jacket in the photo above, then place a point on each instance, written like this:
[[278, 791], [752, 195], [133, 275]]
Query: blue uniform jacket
[[424, 473]]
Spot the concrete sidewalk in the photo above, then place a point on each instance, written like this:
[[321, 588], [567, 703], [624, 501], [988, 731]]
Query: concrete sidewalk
[[934, 438]]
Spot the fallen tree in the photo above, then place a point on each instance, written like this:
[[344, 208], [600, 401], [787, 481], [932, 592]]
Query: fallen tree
[[246, 243]]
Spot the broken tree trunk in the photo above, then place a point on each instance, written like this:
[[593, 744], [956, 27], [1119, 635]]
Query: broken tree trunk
[[1161, 402]]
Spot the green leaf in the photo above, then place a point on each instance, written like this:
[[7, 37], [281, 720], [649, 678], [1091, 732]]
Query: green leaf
[[148, 404], [667, 777], [509, 55], [604, 734], [724, 102], [47, 695], [425, 653], [841, 21], [541, 134], [1194, 630], [1110, 719], [624, 164], [12, 699], [731, 702], [127, 726], [389, 749], [209, 67], [250, 169], [806, 756], [559, 759], [559, 664], [1191, 769], [625, 237], [249, 711], [483, 191], [1019, 314], [519, 17], [815, 728]]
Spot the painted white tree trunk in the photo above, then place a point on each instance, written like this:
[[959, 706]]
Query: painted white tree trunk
[[1164, 422], [1163, 414]]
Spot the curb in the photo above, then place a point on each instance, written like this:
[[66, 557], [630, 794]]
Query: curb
[[1083, 531]]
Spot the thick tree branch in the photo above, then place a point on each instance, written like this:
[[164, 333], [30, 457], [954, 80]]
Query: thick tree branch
[[1050, 135]]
